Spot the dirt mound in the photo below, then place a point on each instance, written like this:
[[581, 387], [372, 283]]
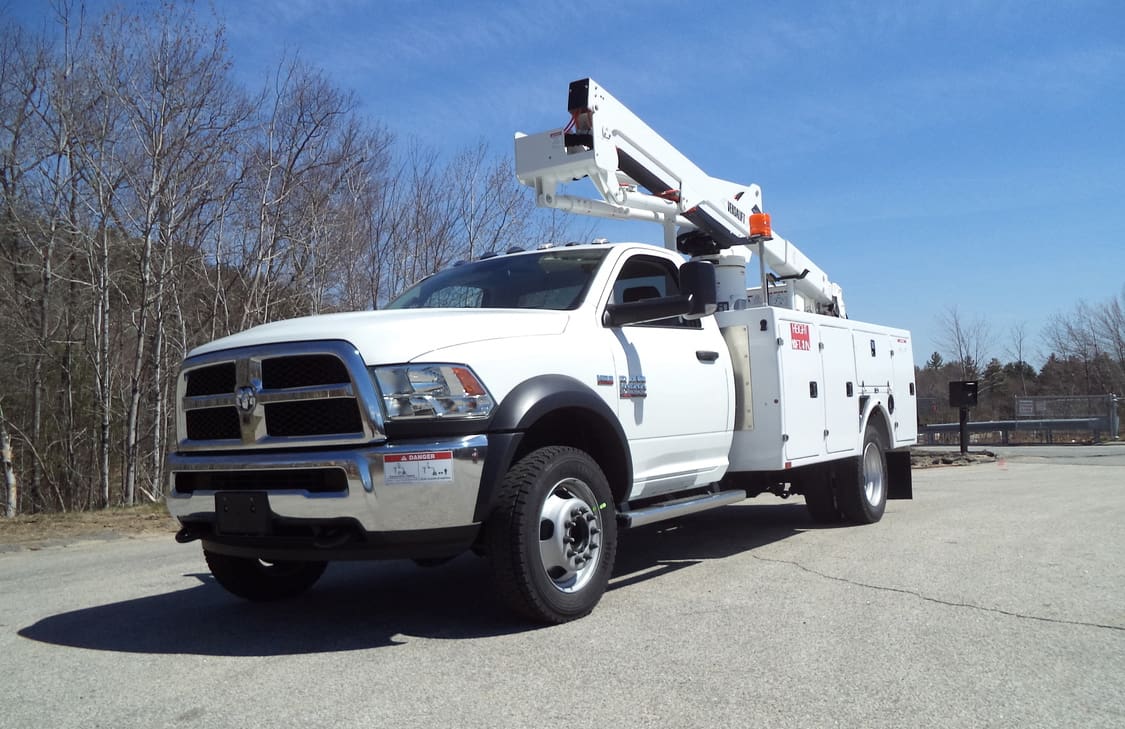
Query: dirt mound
[[921, 458]]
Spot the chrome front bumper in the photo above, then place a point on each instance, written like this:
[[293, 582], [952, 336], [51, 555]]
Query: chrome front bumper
[[410, 485]]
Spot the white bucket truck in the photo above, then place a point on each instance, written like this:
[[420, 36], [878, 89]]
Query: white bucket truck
[[528, 405]]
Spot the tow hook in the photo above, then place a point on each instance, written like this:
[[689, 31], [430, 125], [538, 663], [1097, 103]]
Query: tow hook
[[187, 534], [332, 538]]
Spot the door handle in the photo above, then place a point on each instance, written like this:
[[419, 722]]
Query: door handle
[[706, 355]]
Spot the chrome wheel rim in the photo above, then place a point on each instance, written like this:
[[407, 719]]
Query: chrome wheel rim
[[570, 528], [874, 474]]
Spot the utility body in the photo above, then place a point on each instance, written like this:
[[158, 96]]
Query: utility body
[[527, 405]]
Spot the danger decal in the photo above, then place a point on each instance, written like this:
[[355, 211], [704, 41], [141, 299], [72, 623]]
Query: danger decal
[[429, 467], [799, 335]]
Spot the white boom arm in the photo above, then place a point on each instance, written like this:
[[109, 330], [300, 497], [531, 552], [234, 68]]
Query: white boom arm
[[640, 176]]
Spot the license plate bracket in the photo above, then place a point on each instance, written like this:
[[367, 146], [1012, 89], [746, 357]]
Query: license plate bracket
[[242, 513]]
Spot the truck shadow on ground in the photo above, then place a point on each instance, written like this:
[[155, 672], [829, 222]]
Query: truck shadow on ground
[[358, 606]]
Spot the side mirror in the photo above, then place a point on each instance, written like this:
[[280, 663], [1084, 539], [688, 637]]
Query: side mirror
[[639, 312], [695, 301], [697, 281]]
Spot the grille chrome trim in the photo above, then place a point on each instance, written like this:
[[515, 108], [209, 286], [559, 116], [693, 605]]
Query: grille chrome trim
[[253, 430]]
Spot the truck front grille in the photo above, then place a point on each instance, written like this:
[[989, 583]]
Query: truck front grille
[[213, 424], [214, 380], [313, 417], [303, 371], [275, 396]]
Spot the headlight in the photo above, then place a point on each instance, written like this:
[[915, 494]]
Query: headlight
[[432, 391]]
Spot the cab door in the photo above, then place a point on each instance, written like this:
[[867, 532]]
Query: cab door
[[673, 381]]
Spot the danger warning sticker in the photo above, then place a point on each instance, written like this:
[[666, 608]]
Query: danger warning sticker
[[418, 467], [799, 334]]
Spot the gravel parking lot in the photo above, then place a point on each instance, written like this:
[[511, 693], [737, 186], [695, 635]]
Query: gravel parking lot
[[995, 598]]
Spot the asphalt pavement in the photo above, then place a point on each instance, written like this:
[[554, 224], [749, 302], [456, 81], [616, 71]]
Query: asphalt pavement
[[996, 598]]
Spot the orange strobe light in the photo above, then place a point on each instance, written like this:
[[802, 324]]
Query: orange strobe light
[[760, 225]]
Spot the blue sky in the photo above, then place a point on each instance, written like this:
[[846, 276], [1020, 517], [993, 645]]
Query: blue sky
[[925, 154]]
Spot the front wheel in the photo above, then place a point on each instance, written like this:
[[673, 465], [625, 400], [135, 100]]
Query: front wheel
[[552, 537], [253, 579], [862, 491]]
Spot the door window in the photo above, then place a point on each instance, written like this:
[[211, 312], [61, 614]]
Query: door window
[[649, 277]]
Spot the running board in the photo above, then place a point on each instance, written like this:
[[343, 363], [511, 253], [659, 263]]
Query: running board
[[671, 510]]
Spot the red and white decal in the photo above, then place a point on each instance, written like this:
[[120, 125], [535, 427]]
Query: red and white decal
[[426, 467], [799, 334]]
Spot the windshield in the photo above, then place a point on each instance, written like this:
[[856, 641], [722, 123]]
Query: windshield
[[552, 279]]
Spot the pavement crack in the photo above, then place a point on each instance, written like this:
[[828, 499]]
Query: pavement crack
[[939, 601]]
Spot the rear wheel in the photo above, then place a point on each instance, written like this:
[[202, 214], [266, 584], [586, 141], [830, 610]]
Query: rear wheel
[[861, 492], [820, 497], [253, 579], [552, 537]]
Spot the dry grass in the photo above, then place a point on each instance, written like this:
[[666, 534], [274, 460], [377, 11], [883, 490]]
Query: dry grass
[[37, 530]]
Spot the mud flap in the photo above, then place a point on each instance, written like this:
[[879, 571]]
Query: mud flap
[[901, 484]]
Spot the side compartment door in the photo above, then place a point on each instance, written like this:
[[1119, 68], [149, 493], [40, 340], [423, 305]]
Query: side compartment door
[[673, 382], [841, 399], [801, 389], [905, 416]]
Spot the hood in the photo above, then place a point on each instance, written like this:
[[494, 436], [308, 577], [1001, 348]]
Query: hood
[[400, 335]]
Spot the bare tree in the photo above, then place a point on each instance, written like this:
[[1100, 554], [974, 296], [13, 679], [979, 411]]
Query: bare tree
[[1093, 337], [1110, 321], [493, 211], [40, 197], [10, 492], [965, 340], [174, 91], [1017, 337]]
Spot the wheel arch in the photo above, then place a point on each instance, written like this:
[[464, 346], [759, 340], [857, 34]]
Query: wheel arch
[[555, 410], [878, 418], [900, 480]]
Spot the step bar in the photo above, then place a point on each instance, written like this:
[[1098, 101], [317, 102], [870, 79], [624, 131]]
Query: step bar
[[683, 507]]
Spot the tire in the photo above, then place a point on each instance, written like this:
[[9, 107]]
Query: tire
[[820, 497], [552, 536], [252, 579], [861, 492]]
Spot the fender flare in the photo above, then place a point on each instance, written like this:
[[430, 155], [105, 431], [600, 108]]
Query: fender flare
[[528, 403], [533, 398]]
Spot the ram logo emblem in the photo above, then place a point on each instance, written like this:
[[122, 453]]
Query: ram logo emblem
[[246, 398]]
